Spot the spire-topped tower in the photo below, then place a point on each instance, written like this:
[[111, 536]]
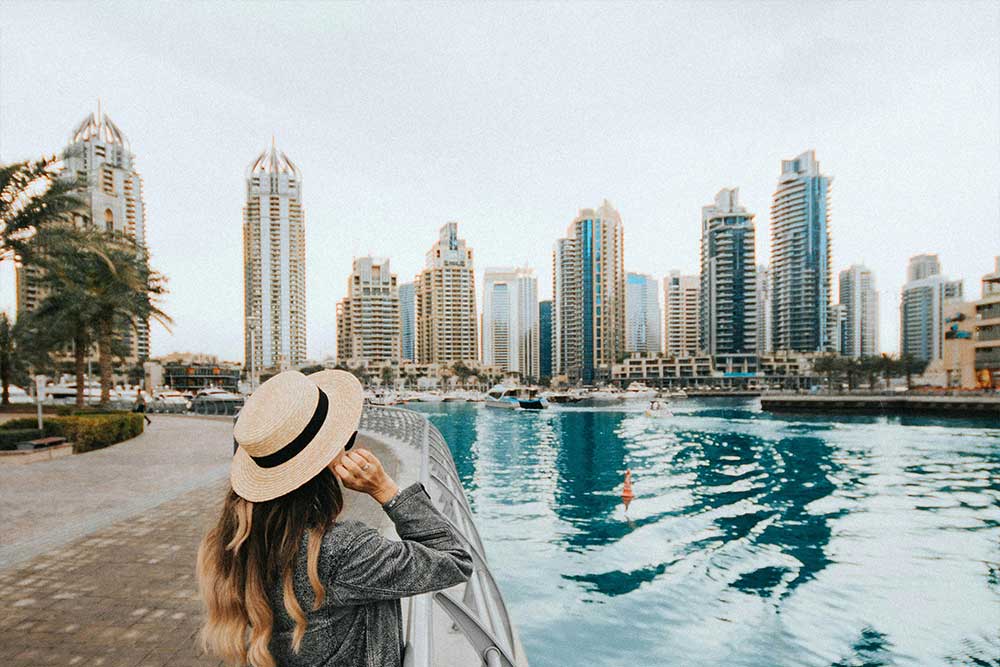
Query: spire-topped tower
[[274, 263], [100, 157]]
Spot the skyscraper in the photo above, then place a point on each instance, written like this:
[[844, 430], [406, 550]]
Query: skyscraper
[[642, 314], [274, 264], [921, 308], [407, 318], [368, 322], [860, 301], [728, 320], [588, 286], [681, 311], [100, 157], [545, 339], [800, 256], [510, 320], [765, 343], [446, 302]]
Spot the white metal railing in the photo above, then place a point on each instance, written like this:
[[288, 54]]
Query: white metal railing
[[480, 614]]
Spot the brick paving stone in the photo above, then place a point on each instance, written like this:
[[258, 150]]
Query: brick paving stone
[[109, 605], [122, 593]]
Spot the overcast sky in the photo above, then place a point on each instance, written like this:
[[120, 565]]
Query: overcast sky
[[509, 118]]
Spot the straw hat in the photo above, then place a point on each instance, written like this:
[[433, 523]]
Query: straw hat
[[290, 429]]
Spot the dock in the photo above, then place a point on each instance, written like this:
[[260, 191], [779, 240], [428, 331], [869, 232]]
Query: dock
[[978, 406]]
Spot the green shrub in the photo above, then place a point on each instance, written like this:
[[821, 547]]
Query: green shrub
[[49, 425], [87, 432], [9, 437]]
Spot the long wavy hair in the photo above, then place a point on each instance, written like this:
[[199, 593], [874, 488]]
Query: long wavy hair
[[250, 549]]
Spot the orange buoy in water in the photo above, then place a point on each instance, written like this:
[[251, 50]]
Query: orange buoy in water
[[627, 494]]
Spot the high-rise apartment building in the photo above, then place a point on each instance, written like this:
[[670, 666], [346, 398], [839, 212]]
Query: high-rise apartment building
[[368, 321], [680, 314], [765, 334], [642, 314], [987, 330], [407, 320], [922, 306], [922, 266], [100, 157], [274, 264], [800, 257], [837, 322], [509, 328], [728, 319], [446, 302], [588, 286], [545, 339], [860, 301]]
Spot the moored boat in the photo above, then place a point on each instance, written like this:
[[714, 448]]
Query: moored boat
[[513, 397]]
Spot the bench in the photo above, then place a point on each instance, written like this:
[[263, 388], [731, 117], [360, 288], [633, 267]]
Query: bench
[[41, 443]]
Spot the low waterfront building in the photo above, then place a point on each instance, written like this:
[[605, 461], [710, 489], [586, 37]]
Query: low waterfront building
[[987, 330], [958, 358], [680, 314], [368, 321], [190, 376], [788, 364], [642, 314], [658, 370]]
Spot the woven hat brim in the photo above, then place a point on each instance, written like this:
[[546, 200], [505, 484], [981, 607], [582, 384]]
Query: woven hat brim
[[257, 484]]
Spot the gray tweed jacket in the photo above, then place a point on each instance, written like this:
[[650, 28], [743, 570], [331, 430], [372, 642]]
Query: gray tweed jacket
[[365, 574]]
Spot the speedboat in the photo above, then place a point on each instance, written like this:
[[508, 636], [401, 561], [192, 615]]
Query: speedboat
[[381, 397], [513, 397], [658, 409], [562, 397], [679, 393]]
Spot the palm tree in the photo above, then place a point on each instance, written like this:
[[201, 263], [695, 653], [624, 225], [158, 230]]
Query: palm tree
[[99, 284], [33, 195], [7, 357]]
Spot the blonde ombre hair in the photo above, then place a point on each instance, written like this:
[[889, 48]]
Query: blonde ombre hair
[[250, 549]]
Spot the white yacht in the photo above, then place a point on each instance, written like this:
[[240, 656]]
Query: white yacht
[[639, 391], [169, 400], [513, 397], [598, 398]]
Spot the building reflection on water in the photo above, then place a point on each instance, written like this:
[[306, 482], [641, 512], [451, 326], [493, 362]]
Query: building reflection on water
[[753, 539]]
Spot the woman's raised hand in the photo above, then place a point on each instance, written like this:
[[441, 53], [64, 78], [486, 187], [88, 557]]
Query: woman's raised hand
[[361, 470]]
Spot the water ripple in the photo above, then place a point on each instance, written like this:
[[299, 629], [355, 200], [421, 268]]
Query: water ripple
[[754, 539]]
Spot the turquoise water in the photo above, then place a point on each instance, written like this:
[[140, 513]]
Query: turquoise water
[[753, 539]]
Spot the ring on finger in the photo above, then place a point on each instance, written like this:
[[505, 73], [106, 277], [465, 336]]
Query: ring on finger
[[366, 466]]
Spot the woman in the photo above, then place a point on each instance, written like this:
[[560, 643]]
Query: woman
[[282, 580]]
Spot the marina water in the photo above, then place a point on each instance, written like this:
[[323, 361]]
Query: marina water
[[754, 539]]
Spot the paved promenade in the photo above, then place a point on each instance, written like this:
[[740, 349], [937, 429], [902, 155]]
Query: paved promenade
[[97, 551]]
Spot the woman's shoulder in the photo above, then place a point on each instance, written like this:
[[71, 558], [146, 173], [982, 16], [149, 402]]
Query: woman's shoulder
[[342, 533]]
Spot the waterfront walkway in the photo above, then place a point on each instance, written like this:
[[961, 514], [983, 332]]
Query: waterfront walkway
[[97, 550]]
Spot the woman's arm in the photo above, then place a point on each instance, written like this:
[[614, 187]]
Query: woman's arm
[[430, 556]]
